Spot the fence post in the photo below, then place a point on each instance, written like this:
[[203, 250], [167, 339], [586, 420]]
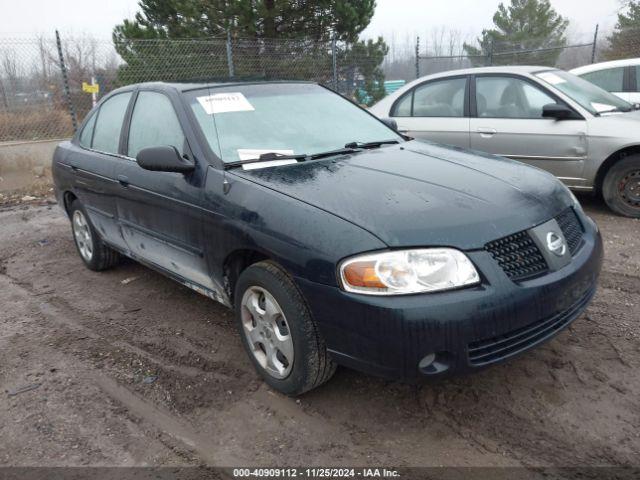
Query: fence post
[[334, 61], [230, 55], [490, 53], [418, 56], [595, 43], [65, 81]]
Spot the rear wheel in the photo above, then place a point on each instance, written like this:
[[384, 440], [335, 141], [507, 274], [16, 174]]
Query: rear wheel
[[278, 332], [621, 187], [95, 254]]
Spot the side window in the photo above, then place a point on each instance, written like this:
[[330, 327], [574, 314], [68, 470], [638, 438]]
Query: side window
[[636, 87], [443, 98], [403, 107], [154, 123], [87, 131], [106, 135], [610, 79], [509, 97]]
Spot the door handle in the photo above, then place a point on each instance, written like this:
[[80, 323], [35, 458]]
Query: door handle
[[123, 180], [487, 132]]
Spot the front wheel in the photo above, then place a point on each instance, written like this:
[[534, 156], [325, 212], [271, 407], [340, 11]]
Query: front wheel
[[621, 187], [278, 332]]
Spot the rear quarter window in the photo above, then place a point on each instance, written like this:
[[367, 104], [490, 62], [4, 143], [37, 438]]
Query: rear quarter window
[[87, 132], [106, 134]]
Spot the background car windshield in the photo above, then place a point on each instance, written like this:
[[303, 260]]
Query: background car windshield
[[588, 95], [241, 122]]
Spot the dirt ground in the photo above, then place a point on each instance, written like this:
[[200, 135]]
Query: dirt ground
[[126, 368]]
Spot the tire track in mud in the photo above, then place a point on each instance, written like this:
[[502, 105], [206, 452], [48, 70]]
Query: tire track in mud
[[620, 281], [159, 418]]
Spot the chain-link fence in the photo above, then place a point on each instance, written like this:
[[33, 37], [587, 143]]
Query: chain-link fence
[[45, 86], [586, 48]]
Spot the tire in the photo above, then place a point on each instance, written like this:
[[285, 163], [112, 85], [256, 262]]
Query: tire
[[275, 325], [621, 187], [95, 254]]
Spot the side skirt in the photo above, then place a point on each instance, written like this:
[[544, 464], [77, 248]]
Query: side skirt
[[220, 297]]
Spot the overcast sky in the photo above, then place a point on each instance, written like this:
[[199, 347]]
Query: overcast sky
[[404, 18]]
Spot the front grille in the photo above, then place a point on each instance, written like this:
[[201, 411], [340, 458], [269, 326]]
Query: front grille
[[518, 256], [490, 350], [571, 229]]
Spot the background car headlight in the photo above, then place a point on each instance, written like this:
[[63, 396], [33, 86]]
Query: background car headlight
[[408, 271]]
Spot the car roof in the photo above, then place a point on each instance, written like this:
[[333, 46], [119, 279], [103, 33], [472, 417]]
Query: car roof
[[594, 67], [503, 69], [186, 86]]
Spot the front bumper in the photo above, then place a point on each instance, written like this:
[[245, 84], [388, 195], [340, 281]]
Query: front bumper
[[435, 335]]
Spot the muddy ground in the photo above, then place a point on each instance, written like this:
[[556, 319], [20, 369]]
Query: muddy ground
[[126, 367]]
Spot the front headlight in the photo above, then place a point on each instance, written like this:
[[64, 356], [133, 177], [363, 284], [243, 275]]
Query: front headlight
[[402, 272]]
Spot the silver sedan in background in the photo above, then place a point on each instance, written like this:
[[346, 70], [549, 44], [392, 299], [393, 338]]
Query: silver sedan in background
[[584, 135]]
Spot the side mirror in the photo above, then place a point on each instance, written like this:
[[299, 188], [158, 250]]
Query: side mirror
[[557, 111], [391, 123], [163, 159]]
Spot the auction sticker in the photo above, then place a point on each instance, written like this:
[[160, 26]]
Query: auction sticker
[[225, 102]]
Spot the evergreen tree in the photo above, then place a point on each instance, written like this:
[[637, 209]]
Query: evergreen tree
[[170, 40], [522, 26], [624, 42]]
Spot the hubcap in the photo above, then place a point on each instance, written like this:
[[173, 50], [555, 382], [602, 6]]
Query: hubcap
[[82, 234], [629, 188], [267, 332]]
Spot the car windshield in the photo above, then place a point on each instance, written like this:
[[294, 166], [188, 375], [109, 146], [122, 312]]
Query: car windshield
[[242, 122], [589, 96]]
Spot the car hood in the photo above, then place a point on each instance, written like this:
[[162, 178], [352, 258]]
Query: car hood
[[422, 194], [616, 125]]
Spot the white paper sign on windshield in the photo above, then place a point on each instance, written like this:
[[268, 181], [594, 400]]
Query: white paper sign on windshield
[[551, 78], [225, 102], [601, 107]]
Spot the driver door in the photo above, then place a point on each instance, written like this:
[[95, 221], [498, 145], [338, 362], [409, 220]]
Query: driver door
[[508, 122]]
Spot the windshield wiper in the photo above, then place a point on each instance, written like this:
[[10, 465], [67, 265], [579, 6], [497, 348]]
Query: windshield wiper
[[353, 147], [330, 153], [370, 144], [267, 157]]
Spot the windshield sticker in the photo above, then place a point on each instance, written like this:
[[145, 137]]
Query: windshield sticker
[[551, 78], [601, 107], [271, 163], [225, 102], [253, 154]]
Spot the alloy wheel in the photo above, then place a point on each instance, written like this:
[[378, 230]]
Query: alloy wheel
[[267, 332], [82, 234]]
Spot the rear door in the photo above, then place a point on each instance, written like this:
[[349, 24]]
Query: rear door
[[436, 110], [507, 120], [160, 212], [94, 165]]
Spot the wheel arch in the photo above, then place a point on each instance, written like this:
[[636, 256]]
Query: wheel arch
[[611, 161], [68, 198], [236, 262]]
